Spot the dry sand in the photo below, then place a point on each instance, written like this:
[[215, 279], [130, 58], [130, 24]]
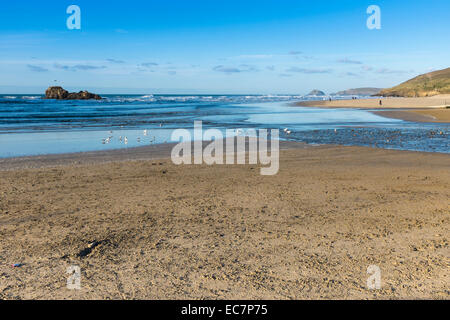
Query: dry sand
[[431, 109], [173, 232]]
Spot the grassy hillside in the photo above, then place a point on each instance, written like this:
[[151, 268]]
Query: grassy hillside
[[426, 85]]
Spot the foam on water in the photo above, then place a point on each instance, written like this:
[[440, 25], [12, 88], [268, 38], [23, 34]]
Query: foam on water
[[30, 125]]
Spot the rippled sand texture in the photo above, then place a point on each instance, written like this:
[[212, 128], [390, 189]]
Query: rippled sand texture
[[150, 229]]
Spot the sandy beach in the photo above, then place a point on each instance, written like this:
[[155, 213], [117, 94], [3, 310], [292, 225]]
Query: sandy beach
[[214, 158], [430, 109], [140, 227]]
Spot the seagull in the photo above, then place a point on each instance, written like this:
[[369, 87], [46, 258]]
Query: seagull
[[145, 132], [285, 129], [126, 140], [160, 125], [288, 131]]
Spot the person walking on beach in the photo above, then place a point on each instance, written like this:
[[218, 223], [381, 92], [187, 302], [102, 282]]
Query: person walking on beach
[[381, 103]]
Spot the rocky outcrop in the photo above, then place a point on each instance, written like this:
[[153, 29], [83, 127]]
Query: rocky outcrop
[[60, 94], [317, 93], [56, 93], [83, 95]]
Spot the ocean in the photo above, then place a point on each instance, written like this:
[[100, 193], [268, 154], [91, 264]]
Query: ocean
[[30, 125]]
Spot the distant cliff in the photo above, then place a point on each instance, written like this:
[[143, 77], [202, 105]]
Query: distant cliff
[[358, 92], [426, 85], [60, 94], [317, 93]]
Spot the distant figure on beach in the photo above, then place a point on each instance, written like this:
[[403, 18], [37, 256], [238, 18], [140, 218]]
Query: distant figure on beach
[[381, 103]]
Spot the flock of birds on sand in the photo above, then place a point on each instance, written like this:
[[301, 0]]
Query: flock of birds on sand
[[286, 131], [124, 139]]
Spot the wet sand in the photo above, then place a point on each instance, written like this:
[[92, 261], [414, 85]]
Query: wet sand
[[431, 109], [421, 115], [437, 115], [144, 228]]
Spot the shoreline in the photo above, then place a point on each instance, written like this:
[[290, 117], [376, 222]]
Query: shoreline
[[431, 109], [142, 153]]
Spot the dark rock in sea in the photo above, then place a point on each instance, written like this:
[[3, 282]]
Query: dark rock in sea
[[56, 93], [83, 95], [60, 94], [317, 93]]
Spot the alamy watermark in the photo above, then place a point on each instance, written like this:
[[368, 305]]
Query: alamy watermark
[[74, 279], [213, 153], [74, 20], [374, 20], [374, 280]]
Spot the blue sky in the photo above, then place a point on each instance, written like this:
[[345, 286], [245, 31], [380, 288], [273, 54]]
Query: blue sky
[[212, 46]]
